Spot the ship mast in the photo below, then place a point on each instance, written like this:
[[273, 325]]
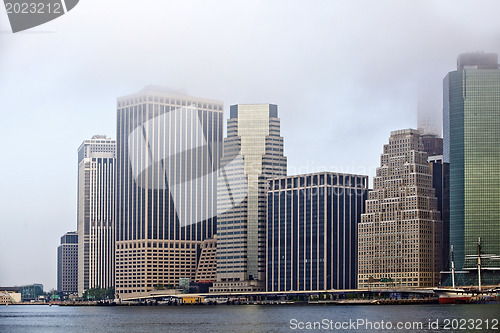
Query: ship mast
[[479, 261], [452, 268]]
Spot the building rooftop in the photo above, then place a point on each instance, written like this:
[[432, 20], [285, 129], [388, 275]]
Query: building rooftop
[[478, 60]]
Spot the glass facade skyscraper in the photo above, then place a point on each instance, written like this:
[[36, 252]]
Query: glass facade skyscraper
[[471, 128], [253, 153], [312, 226], [96, 213], [168, 152], [441, 183]]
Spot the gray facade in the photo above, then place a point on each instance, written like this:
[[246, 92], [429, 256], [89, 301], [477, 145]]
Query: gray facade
[[253, 153], [312, 224], [67, 264]]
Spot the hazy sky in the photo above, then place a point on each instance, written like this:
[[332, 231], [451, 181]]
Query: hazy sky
[[343, 73]]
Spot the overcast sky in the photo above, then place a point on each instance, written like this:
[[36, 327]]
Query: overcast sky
[[343, 73]]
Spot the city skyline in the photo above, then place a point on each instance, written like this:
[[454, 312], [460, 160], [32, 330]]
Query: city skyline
[[332, 72]]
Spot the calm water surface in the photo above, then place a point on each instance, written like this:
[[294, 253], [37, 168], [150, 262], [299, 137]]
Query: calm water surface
[[244, 318]]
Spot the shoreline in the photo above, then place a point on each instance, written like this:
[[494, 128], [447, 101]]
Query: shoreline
[[361, 302]]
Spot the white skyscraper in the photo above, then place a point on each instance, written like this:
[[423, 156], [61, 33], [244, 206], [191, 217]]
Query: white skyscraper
[[96, 213]]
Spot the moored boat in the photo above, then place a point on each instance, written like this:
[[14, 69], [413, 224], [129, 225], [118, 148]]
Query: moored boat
[[454, 295]]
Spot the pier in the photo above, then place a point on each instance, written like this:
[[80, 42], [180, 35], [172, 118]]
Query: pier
[[324, 297]]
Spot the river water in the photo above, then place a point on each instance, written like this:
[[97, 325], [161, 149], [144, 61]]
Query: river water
[[251, 318]]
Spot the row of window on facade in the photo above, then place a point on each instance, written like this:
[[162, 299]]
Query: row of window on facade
[[171, 101]]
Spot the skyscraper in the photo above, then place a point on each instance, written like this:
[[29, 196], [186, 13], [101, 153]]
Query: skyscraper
[[96, 213], [471, 127], [67, 264], [441, 182], [253, 153], [312, 225], [433, 146], [400, 234], [428, 108], [168, 152]]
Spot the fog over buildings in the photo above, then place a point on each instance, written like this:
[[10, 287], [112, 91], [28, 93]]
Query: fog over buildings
[[344, 75]]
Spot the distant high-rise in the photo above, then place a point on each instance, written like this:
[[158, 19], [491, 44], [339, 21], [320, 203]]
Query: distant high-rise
[[428, 112], [168, 152], [96, 213], [400, 234], [312, 225], [67, 264], [471, 128], [253, 153], [433, 144]]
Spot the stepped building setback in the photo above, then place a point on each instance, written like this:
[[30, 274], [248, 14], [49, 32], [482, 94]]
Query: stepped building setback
[[253, 153], [400, 234]]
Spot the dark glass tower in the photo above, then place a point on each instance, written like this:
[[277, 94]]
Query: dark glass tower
[[312, 225], [441, 183], [471, 130]]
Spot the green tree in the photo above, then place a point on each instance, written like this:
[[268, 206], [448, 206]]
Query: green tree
[[98, 293]]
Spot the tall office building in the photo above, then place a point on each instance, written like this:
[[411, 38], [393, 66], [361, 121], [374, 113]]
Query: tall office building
[[67, 264], [400, 234], [253, 153], [312, 225], [168, 152], [96, 213], [433, 146], [471, 119], [441, 182]]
